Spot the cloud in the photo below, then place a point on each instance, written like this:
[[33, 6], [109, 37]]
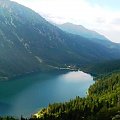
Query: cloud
[[100, 20], [116, 21]]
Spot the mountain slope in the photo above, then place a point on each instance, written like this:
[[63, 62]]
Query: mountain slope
[[89, 34], [29, 43], [80, 30], [104, 67]]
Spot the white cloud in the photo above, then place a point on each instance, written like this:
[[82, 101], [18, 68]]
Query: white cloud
[[94, 17]]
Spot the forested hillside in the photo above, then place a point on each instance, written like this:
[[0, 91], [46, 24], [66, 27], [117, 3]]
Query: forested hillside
[[103, 67], [102, 103]]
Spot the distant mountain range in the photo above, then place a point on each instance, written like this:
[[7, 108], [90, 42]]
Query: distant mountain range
[[80, 30], [89, 34], [29, 43]]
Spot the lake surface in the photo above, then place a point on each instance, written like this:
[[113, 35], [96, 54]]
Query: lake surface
[[26, 95]]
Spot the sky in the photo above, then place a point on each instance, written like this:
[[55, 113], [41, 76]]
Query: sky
[[102, 16]]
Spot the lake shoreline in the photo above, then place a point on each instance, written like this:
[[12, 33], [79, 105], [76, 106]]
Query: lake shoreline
[[42, 89]]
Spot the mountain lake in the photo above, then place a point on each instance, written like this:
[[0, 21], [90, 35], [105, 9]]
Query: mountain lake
[[26, 95]]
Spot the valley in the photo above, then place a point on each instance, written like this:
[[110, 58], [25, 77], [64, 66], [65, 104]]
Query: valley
[[55, 72]]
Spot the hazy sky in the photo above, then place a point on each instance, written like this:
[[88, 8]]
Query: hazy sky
[[102, 16]]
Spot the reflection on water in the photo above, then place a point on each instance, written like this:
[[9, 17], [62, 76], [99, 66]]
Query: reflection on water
[[26, 95], [78, 76]]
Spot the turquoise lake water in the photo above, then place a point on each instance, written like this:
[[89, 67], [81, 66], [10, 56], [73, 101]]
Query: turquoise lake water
[[26, 95]]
